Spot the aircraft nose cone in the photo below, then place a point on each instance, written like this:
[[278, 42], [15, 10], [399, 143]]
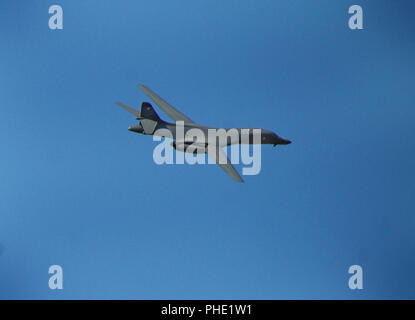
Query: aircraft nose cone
[[281, 140], [284, 141]]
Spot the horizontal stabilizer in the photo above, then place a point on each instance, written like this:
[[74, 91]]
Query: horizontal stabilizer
[[133, 111]]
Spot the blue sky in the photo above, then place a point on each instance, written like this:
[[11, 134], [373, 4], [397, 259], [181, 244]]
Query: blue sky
[[79, 190]]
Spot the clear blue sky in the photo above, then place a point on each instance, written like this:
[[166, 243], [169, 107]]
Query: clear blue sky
[[79, 190]]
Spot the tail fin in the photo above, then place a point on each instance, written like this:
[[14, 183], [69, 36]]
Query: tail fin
[[148, 112], [149, 118]]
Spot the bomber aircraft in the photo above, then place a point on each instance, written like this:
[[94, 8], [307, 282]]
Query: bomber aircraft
[[151, 124]]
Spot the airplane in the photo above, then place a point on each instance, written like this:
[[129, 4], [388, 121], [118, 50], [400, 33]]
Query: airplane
[[150, 123]]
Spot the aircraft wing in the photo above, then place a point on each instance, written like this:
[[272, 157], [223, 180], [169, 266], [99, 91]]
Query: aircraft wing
[[167, 108], [217, 154], [133, 111]]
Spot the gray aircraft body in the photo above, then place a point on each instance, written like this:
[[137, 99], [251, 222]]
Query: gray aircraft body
[[151, 124]]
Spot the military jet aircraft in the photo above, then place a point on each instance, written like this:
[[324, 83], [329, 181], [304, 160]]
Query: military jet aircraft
[[150, 124]]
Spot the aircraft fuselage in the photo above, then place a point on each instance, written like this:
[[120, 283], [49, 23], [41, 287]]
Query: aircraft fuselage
[[192, 133]]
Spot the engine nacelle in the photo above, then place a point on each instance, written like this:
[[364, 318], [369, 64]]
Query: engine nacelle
[[190, 147]]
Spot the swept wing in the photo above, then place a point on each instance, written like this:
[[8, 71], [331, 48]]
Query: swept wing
[[217, 154], [163, 105]]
